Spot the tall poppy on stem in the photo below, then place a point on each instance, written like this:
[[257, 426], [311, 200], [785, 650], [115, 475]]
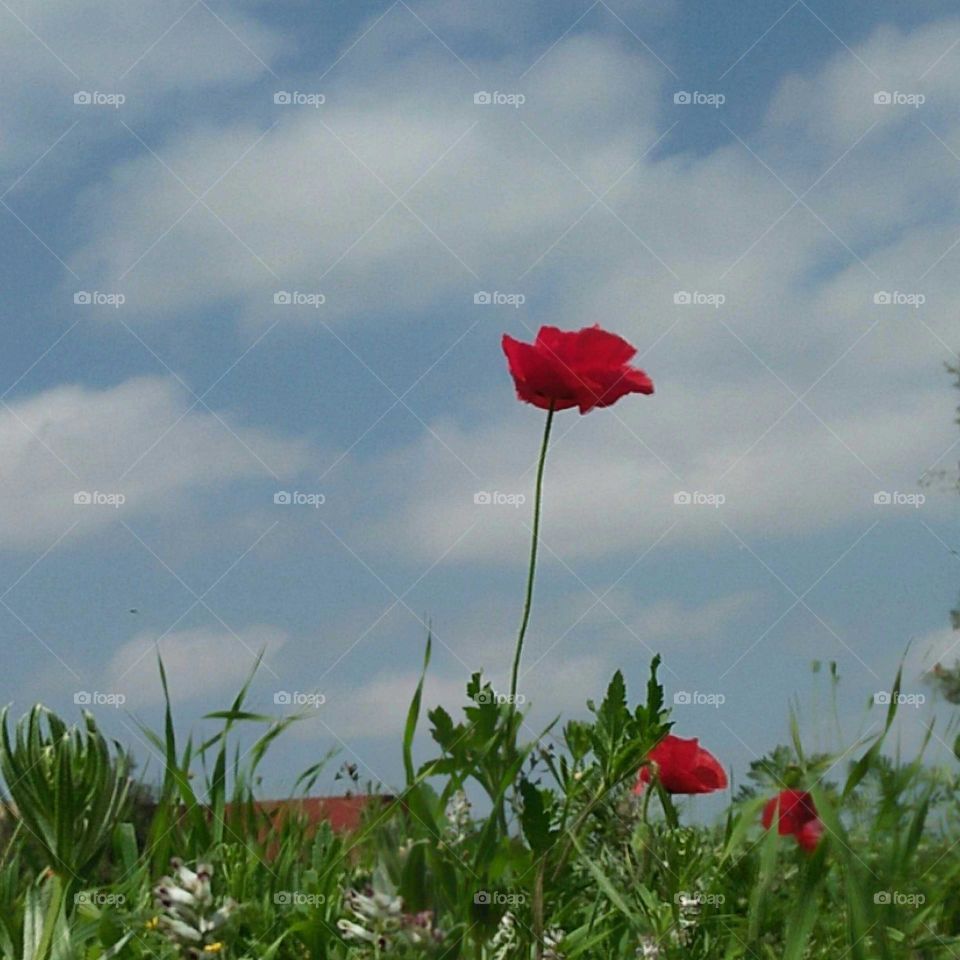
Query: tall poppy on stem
[[562, 369]]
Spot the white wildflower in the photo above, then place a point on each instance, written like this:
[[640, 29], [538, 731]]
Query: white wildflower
[[504, 940], [457, 813], [649, 949], [552, 939], [379, 918], [189, 916]]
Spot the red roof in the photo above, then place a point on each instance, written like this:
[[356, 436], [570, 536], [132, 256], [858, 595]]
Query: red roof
[[344, 814]]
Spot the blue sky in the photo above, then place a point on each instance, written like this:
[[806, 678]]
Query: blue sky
[[784, 201]]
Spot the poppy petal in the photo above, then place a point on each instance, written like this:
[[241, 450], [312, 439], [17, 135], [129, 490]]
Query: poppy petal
[[585, 368]]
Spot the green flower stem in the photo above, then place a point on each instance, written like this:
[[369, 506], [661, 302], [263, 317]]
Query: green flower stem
[[533, 559]]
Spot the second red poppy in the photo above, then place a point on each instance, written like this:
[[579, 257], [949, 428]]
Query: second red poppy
[[683, 766]]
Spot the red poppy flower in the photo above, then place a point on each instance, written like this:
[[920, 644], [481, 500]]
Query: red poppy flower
[[798, 817], [683, 766], [585, 368]]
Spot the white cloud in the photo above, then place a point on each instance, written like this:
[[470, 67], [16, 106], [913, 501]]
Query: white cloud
[[560, 671], [146, 51], [311, 199], [611, 480], [513, 25], [840, 99], [378, 709], [682, 624], [201, 663], [511, 204], [143, 440], [508, 200]]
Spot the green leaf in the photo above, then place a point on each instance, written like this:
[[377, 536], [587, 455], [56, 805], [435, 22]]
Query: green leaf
[[535, 817], [413, 715]]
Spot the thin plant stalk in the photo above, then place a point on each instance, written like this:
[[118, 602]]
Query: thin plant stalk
[[531, 573]]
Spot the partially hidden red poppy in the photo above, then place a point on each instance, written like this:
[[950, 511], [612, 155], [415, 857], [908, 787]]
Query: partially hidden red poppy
[[564, 368], [798, 817], [683, 766]]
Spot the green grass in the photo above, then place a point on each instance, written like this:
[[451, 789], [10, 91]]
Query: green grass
[[559, 858]]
